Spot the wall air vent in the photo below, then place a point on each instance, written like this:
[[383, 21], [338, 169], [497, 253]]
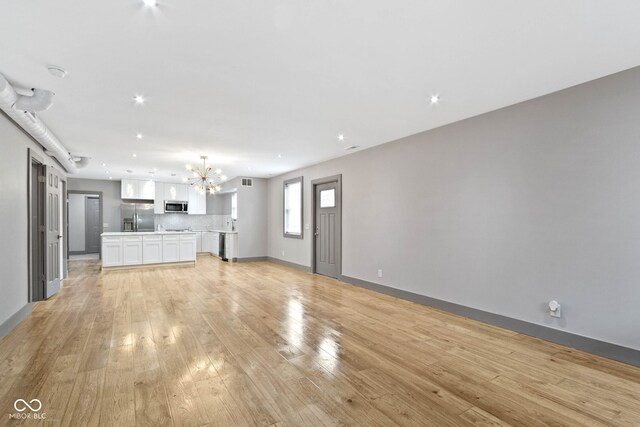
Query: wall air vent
[[247, 182]]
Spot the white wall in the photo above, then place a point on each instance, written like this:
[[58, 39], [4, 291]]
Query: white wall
[[14, 220], [77, 237], [502, 212]]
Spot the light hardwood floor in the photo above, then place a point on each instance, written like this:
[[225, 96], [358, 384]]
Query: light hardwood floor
[[261, 344]]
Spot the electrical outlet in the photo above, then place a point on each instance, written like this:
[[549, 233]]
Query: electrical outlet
[[380, 273], [555, 309]]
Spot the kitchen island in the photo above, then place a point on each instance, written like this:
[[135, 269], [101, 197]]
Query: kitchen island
[[130, 249]]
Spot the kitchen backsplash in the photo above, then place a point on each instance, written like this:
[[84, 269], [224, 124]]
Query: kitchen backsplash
[[195, 222]]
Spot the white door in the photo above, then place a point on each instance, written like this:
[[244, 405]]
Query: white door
[[207, 241], [151, 249], [111, 251], [197, 202], [198, 242], [216, 243], [132, 250], [146, 190], [54, 232], [129, 189], [170, 249], [187, 248], [158, 200]]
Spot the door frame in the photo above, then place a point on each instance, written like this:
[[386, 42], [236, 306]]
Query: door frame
[[33, 157], [314, 183], [101, 206]]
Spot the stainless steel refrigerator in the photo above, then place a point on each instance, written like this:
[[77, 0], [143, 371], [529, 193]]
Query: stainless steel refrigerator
[[137, 217]]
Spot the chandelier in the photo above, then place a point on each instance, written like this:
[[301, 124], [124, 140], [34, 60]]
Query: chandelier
[[205, 179]]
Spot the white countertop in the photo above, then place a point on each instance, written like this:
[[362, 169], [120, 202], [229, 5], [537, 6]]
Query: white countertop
[[216, 231], [144, 233]]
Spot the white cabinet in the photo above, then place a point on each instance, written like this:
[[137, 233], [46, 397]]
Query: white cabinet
[[129, 189], [231, 246], [216, 243], [158, 200], [198, 241], [187, 247], [207, 241], [111, 251], [170, 248], [131, 250], [147, 190], [138, 249], [151, 249], [176, 192], [197, 202], [137, 189]]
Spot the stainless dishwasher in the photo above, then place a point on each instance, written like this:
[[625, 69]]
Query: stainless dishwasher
[[222, 247]]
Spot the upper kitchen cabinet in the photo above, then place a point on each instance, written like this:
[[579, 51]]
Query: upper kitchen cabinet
[[138, 189], [176, 192], [197, 202], [158, 201]]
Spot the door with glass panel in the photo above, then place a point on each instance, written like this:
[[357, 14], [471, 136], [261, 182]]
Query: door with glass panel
[[328, 229]]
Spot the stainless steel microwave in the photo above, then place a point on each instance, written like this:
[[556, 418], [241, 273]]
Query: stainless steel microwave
[[173, 206]]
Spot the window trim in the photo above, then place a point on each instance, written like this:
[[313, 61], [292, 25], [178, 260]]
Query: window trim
[[284, 208]]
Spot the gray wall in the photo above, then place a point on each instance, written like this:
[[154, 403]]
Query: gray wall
[[76, 222], [14, 218], [111, 200], [502, 212], [252, 217], [219, 204]]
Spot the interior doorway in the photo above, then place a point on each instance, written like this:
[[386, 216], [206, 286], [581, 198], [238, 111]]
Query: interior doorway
[[37, 229], [85, 223], [327, 225]]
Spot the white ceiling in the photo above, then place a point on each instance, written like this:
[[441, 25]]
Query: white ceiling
[[244, 81]]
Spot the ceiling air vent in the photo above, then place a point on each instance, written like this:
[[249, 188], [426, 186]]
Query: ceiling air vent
[[247, 182]]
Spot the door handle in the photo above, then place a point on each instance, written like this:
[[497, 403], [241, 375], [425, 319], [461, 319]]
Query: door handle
[[59, 237], [317, 233]]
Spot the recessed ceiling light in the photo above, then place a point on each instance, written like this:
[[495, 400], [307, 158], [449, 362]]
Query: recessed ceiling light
[[129, 171], [139, 136], [341, 137], [104, 164], [107, 172], [56, 71], [110, 178], [135, 155], [155, 169], [435, 99], [279, 156], [139, 99], [150, 3], [353, 147]]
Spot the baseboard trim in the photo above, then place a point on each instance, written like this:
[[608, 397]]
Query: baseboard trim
[[289, 264], [13, 321], [253, 259], [590, 345]]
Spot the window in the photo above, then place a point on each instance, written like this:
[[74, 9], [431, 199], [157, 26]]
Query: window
[[328, 198], [234, 206], [293, 208]]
